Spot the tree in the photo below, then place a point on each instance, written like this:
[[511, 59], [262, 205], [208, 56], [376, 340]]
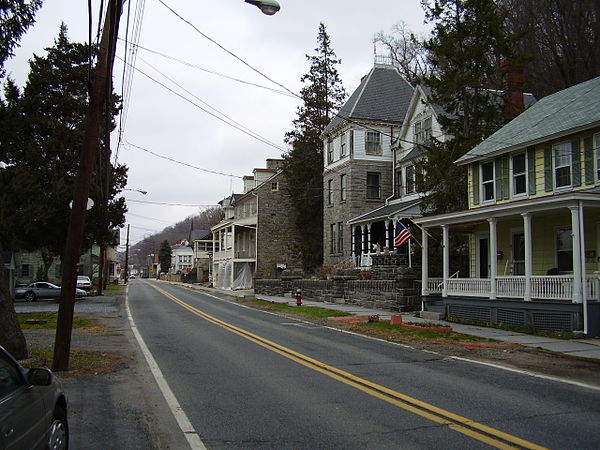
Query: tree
[[164, 256], [464, 51], [15, 17], [562, 44], [42, 146], [407, 51], [322, 96]]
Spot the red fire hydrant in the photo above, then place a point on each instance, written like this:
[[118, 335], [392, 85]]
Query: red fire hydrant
[[298, 297]]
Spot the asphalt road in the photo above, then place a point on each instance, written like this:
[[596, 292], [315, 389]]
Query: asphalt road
[[249, 379]]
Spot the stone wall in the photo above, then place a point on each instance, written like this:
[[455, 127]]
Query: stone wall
[[398, 294]]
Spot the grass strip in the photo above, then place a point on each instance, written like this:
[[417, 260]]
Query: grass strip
[[385, 329], [81, 362], [50, 318], [307, 311]]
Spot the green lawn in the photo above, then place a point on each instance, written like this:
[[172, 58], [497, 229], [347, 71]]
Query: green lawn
[[424, 334], [310, 311], [50, 318]]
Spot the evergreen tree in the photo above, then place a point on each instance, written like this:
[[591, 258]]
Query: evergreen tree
[[164, 256], [15, 17], [322, 96], [464, 51], [45, 128]]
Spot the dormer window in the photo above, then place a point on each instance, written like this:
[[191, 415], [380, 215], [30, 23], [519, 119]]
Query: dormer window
[[329, 152], [373, 143], [422, 131], [343, 144], [410, 179]]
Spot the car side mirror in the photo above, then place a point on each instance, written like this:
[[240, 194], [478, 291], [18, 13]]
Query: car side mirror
[[39, 376]]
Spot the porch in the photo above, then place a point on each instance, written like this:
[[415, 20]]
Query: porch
[[548, 287]]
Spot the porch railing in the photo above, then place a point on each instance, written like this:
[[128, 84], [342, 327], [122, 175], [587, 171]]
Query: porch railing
[[545, 287]]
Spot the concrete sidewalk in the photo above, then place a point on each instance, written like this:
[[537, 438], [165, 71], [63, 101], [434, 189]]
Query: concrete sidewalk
[[584, 348]]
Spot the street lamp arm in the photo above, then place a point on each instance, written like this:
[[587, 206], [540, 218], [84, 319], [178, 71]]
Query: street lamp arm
[[268, 7]]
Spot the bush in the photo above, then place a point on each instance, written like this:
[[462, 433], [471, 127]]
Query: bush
[[324, 271]]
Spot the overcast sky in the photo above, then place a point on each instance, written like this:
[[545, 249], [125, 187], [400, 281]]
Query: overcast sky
[[168, 124]]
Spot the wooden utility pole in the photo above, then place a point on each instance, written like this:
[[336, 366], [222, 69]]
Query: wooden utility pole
[[98, 95], [126, 276]]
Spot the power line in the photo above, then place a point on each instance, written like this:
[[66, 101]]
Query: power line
[[181, 162], [213, 72], [226, 50], [255, 136], [169, 204]]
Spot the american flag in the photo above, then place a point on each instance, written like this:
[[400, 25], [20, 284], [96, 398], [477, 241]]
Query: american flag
[[402, 235]]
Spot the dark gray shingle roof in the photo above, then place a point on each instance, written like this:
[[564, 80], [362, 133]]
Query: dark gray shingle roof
[[574, 108], [383, 95]]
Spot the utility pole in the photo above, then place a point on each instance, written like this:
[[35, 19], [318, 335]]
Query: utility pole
[[126, 277], [98, 95]]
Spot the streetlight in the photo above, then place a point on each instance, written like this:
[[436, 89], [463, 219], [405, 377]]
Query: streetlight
[[268, 7]]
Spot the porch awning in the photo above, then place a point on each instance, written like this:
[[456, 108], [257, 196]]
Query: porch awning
[[408, 209], [588, 198]]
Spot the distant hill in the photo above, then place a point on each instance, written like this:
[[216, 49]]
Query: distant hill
[[178, 232]]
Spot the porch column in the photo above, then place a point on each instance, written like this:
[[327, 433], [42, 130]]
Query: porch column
[[353, 244], [388, 234], [576, 235], [369, 238], [528, 255], [425, 262], [446, 259], [493, 256], [364, 240]]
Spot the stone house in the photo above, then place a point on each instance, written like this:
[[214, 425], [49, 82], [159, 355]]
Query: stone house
[[258, 235], [358, 159]]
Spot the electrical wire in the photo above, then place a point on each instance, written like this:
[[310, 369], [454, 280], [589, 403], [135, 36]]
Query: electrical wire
[[147, 202], [226, 50], [158, 155]]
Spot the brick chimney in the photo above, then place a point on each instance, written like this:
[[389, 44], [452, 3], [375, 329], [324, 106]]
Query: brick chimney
[[512, 84]]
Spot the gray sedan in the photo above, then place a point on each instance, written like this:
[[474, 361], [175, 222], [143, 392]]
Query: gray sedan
[[42, 289], [33, 408]]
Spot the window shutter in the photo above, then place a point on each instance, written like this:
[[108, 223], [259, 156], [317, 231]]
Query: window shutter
[[498, 177], [548, 180], [475, 169], [576, 162], [531, 170], [588, 156], [505, 178], [501, 178]]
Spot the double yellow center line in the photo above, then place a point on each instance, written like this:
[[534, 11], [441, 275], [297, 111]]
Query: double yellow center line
[[468, 427]]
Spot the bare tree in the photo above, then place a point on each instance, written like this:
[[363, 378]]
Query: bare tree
[[406, 50]]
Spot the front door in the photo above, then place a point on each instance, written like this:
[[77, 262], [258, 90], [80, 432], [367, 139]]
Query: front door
[[483, 257]]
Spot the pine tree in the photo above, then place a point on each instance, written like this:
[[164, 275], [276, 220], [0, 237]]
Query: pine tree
[[164, 256], [464, 51], [322, 96], [15, 17]]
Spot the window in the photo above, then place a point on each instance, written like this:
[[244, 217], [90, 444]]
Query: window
[[343, 187], [340, 248], [422, 131], [330, 192], [334, 227], [519, 174], [564, 250], [329, 152], [10, 380], [398, 184], [410, 179], [351, 142], [487, 180], [26, 270], [373, 185], [562, 165], [597, 137], [373, 143], [343, 144], [274, 186]]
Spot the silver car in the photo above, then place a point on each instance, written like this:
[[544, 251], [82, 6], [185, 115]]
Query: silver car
[[42, 289], [33, 407]]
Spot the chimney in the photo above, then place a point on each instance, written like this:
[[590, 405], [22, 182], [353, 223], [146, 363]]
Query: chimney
[[512, 84]]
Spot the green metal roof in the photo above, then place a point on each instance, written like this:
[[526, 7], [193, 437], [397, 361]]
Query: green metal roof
[[570, 110]]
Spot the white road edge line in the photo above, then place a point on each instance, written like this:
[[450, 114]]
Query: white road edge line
[[182, 420], [458, 358]]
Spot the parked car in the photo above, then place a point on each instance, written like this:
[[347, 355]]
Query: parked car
[[42, 289], [33, 407], [84, 282]]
